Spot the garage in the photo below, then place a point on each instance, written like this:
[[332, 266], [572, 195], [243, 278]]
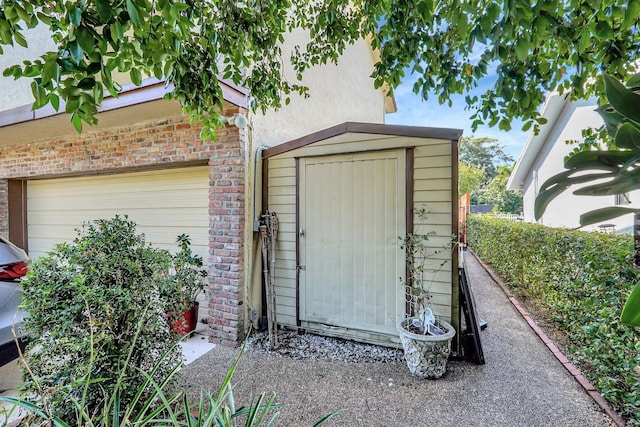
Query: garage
[[163, 203]]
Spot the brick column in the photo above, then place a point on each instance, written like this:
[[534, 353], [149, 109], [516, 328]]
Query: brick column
[[4, 208], [226, 214]]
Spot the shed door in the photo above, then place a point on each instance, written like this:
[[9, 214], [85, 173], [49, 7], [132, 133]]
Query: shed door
[[352, 210]]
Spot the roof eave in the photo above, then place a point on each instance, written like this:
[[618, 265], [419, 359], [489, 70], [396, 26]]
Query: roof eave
[[551, 110], [150, 89]]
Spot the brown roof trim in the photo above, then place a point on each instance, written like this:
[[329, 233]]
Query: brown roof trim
[[151, 89], [370, 128]]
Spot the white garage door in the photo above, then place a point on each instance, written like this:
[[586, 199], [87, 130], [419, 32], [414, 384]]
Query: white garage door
[[163, 203]]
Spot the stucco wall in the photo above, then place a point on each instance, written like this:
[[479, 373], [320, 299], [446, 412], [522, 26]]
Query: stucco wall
[[338, 93], [565, 210], [15, 93]]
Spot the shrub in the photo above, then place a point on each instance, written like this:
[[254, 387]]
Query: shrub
[[96, 311], [582, 279]]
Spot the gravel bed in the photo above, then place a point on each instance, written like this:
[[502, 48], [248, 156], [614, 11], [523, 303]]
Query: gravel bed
[[316, 347]]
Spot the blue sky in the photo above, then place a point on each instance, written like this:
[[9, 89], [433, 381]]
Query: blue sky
[[413, 111]]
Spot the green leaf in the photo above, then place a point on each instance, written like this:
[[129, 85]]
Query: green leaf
[[76, 51], [634, 81], [136, 76], [604, 214], [54, 100], [45, 19], [72, 105], [85, 39], [50, 70], [98, 94], [522, 49], [87, 83], [133, 13], [20, 39], [557, 184], [326, 418], [624, 182], [75, 16], [622, 99], [116, 31], [631, 14], [104, 10], [39, 96], [611, 118], [76, 122], [603, 30], [605, 160], [631, 311], [628, 136]]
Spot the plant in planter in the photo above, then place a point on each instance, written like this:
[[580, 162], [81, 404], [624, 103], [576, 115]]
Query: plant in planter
[[425, 337], [188, 281]]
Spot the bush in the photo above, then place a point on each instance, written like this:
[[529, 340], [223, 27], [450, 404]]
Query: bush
[[582, 279], [96, 311]]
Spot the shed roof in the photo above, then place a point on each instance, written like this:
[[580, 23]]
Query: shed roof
[[364, 128]]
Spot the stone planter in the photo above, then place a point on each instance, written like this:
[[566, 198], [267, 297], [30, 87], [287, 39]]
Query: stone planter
[[426, 355]]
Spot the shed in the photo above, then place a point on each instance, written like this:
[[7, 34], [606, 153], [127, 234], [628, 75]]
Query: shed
[[343, 197]]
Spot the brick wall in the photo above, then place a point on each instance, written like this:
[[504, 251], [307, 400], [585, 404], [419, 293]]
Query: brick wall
[[154, 143], [4, 208]]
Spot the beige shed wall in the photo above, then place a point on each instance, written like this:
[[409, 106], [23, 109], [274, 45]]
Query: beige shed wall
[[432, 190]]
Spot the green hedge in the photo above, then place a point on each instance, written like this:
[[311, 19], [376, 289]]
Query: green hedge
[[582, 279]]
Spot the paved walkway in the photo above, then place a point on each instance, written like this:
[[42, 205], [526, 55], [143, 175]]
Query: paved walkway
[[521, 384]]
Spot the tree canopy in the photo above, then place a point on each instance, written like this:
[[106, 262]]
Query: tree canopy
[[483, 153], [470, 178], [484, 170], [531, 46], [495, 192]]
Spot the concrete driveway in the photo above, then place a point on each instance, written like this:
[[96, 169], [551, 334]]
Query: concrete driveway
[[521, 384]]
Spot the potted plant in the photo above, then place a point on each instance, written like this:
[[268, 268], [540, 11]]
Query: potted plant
[[425, 337], [187, 281]]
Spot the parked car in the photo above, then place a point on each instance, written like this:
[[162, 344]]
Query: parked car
[[13, 265]]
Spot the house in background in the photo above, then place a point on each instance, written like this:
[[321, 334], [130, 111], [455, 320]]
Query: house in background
[[146, 160], [543, 156]]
